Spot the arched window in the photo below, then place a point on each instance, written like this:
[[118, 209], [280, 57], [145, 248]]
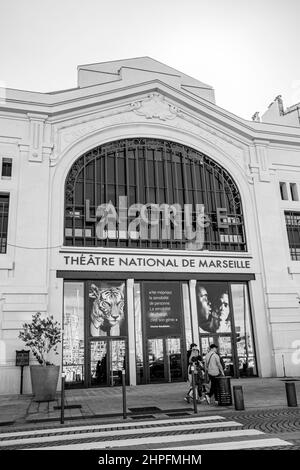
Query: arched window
[[158, 174]]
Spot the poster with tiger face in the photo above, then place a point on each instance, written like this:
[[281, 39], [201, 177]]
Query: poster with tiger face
[[107, 308]]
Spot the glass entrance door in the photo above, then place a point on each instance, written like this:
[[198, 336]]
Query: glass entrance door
[[174, 358], [164, 360], [225, 349], [107, 359]]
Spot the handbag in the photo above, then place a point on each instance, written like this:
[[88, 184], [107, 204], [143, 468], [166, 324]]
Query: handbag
[[206, 376]]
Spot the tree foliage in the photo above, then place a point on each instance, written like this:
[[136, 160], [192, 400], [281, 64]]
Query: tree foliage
[[41, 335]]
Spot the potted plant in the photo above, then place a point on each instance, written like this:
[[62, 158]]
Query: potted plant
[[42, 335]]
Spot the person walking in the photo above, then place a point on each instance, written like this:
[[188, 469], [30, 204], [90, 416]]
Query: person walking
[[197, 363], [191, 352], [214, 369]]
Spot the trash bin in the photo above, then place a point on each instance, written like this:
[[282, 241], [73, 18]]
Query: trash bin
[[223, 391]]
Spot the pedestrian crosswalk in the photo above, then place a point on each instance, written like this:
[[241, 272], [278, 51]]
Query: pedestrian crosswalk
[[188, 433]]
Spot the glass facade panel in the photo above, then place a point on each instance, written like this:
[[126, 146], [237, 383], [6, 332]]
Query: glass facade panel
[[117, 363], [227, 324], [98, 362], [107, 308], [73, 338], [140, 373], [187, 314], [95, 330], [107, 359], [226, 352], [156, 360], [213, 307], [174, 357], [243, 330]]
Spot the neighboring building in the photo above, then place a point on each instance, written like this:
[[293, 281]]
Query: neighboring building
[[276, 114], [135, 294]]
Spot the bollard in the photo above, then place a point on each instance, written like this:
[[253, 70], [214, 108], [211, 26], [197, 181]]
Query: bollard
[[291, 393], [124, 394], [62, 404], [238, 397], [194, 389]]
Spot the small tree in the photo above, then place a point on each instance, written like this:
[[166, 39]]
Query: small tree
[[41, 335]]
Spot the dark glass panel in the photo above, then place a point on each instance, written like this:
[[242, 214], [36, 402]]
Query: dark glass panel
[[121, 170], [111, 176]]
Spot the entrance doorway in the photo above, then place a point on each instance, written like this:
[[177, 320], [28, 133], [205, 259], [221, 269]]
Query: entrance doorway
[[95, 340], [107, 359], [165, 360]]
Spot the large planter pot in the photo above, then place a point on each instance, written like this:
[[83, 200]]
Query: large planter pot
[[44, 382]]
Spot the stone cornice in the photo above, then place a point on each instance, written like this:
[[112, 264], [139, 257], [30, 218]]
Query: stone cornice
[[96, 96]]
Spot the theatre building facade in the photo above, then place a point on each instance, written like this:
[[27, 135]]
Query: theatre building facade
[[144, 217]]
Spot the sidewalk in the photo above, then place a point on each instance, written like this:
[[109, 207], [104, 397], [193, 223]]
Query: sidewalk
[[142, 401]]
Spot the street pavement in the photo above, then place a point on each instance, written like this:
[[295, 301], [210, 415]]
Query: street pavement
[[157, 418], [213, 432]]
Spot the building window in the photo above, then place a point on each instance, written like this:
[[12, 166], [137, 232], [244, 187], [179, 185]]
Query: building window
[[294, 192], [283, 191], [292, 220], [73, 338], [151, 172], [4, 206], [6, 168]]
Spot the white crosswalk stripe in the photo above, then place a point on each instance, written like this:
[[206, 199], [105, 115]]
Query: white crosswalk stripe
[[193, 433], [106, 426]]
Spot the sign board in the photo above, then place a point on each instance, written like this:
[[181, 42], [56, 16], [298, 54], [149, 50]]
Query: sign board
[[163, 308], [97, 261], [22, 358]]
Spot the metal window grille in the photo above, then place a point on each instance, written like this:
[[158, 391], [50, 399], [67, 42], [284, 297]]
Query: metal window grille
[[4, 207], [292, 221], [151, 171]]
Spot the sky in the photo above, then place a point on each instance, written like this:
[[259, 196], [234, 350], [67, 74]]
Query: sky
[[247, 50]]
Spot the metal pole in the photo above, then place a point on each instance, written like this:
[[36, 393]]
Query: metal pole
[[291, 394], [62, 404], [21, 386], [238, 397], [194, 389], [124, 394], [169, 368]]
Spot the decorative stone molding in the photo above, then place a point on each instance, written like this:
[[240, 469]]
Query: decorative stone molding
[[259, 160], [24, 151], [155, 107], [262, 160], [36, 136], [75, 129]]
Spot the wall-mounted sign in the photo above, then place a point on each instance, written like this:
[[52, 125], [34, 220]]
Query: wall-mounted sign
[[162, 306], [149, 263]]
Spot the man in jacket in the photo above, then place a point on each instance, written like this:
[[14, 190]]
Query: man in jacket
[[214, 369]]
